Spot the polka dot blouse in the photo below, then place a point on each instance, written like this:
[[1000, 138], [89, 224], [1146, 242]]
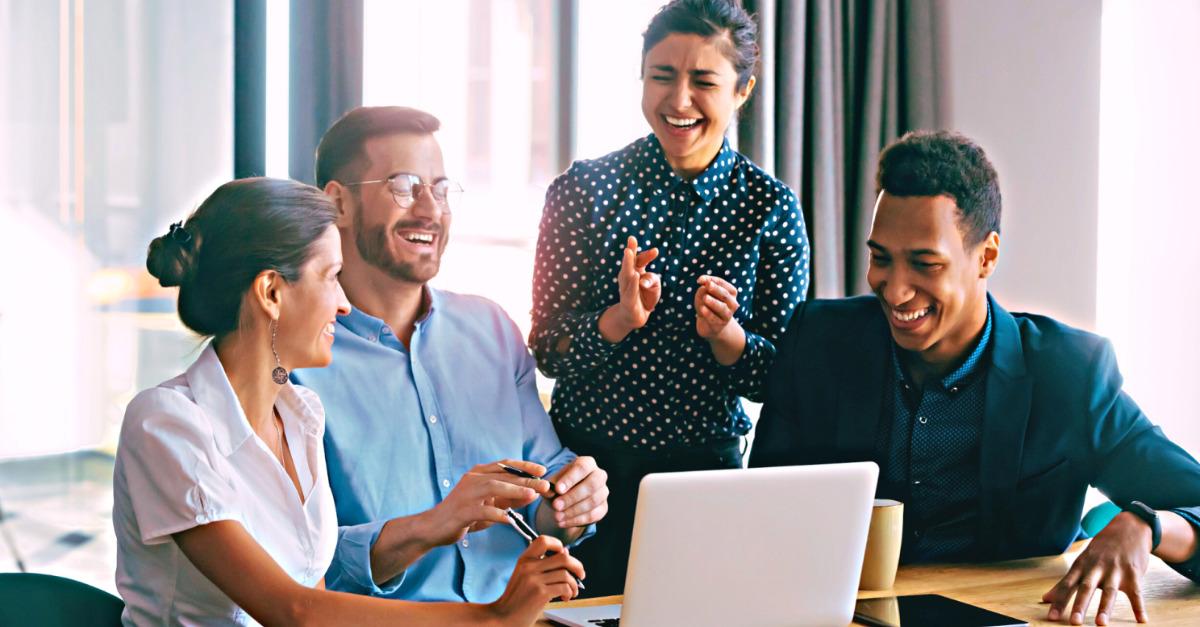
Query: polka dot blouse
[[661, 387]]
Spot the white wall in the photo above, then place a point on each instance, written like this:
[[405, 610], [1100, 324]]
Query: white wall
[[1113, 254], [1023, 80], [1149, 215]]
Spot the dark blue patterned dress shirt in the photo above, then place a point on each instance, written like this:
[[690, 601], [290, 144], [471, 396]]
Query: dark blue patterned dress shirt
[[931, 455]]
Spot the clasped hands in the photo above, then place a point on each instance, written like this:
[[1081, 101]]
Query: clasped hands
[[715, 303]]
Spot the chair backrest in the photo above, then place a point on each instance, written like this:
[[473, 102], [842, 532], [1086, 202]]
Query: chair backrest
[[50, 601]]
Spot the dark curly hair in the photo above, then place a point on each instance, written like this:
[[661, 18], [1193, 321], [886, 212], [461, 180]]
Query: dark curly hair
[[709, 18], [245, 227], [935, 163]]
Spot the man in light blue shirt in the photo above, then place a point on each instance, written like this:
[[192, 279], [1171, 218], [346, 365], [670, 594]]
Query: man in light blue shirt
[[428, 390]]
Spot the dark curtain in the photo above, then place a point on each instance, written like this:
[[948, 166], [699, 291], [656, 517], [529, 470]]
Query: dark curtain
[[839, 80], [325, 75]]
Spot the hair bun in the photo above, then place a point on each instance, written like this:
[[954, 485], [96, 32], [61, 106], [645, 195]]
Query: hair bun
[[169, 258]]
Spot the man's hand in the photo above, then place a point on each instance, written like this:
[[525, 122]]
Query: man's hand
[[479, 500], [582, 489], [1114, 561], [640, 292]]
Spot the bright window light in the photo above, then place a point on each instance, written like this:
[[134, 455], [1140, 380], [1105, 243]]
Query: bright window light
[[278, 13]]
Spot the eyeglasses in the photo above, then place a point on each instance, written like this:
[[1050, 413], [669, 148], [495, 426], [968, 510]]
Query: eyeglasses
[[407, 187]]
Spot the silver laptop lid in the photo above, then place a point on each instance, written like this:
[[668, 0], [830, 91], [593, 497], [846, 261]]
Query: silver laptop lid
[[764, 546]]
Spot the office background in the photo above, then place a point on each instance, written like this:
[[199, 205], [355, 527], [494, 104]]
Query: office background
[[117, 117]]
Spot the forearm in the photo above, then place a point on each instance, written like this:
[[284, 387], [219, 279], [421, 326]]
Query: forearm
[[401, 542], [319, 607], [728, 346], [1179, 539]]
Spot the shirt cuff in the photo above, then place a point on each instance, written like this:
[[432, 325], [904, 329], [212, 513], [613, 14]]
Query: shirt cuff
[[588, 346], [748, 373], [351, 567], [1191, 567]]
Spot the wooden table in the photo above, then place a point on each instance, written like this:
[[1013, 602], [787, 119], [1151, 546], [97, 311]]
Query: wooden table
[[1015, 588]]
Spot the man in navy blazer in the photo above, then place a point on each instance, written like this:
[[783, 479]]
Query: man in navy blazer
[[989, 426]]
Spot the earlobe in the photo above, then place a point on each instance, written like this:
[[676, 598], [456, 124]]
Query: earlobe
[[991, 255], [267, 293], [335, 192], [744, 96]]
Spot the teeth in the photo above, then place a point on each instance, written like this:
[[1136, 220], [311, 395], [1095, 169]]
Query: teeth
[[909, 316], [329, 328], [422, 238], [682, 122]]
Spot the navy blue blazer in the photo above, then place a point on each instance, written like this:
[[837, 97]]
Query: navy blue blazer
[[1055, 421]]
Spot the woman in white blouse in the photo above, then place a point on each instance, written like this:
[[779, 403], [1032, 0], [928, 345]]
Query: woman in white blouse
[[222, 508]]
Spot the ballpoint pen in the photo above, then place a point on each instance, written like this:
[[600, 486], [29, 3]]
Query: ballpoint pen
[[518, 522], [521, 473]]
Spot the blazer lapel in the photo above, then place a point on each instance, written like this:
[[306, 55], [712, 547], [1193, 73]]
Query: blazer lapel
[[863, 375], [1008, 399]]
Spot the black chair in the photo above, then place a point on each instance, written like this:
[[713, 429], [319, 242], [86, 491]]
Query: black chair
[[50, 601]]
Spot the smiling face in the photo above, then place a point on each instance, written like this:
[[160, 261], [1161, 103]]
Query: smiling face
[[311, 306], [933, 288], [405, 243], [689, 94]]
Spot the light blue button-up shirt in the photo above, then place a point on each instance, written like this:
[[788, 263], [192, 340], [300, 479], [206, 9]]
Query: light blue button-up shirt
[[403, 425]]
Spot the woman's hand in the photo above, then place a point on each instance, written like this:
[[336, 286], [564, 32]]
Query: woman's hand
[[716, 300], [715, 303], [640, 291], [536, 580]]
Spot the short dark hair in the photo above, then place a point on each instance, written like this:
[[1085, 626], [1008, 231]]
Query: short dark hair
[[342, 145], [935, 163], [709, 18], [245, 227]]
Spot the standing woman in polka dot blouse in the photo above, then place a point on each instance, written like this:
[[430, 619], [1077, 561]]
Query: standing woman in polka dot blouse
[[665, 272]]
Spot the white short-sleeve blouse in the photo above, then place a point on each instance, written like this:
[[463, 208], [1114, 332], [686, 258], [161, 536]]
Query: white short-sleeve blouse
[[188, 457]]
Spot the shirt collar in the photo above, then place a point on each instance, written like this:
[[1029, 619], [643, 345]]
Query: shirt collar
[[971, 366], [214, 394], [707, 184], [367, 326]]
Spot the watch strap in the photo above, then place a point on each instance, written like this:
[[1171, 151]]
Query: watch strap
[[1147, 513]]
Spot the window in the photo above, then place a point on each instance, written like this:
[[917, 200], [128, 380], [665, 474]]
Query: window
[[486, 70]]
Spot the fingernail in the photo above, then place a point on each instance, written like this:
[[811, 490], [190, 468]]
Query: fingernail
[[1053, 615], [1076, 618], [1102, 619]]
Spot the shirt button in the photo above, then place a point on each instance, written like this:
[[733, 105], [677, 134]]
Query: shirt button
[[433, 419], [445, 483], [954, 390], [922, 419], [916, 482], [466, 543]]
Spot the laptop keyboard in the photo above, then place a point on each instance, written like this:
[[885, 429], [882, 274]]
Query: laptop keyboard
[[605, 622]]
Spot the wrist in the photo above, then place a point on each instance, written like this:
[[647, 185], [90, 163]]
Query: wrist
[[1149, 518], [424, 529], [728, 345], [614, 324]]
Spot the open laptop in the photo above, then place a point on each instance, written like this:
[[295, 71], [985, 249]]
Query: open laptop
[[765, 546]]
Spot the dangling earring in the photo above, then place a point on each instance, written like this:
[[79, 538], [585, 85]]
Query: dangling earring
[[279, 374]]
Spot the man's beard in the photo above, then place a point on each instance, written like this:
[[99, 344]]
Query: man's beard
[[372, 246]]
